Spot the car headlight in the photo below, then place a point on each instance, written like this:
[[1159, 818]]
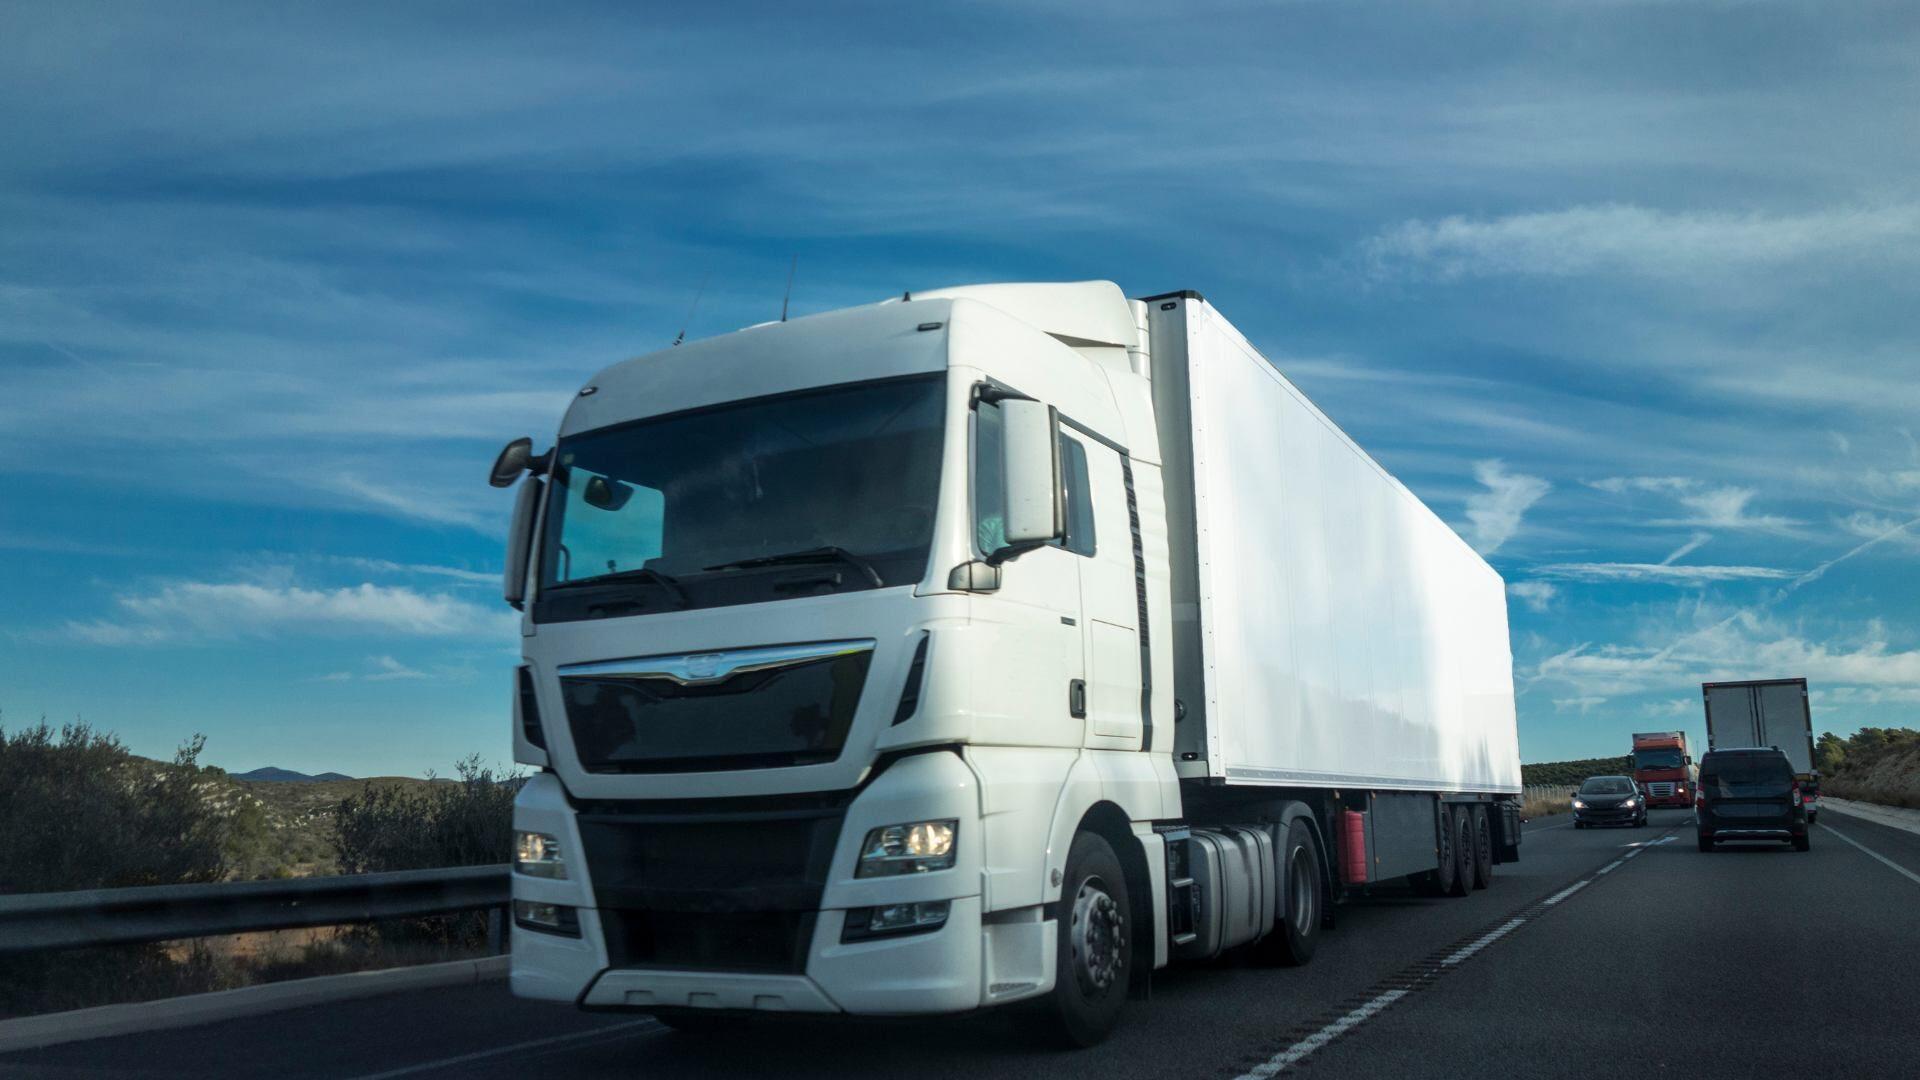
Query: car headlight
[[916, 847], [1629, 804], [538, 855], [1578, 805]]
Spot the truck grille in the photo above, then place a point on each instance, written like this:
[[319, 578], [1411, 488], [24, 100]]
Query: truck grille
[[759, 708], [720, 884], [1660, 790]]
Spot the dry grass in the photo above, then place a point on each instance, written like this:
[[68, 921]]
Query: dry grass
[[1545, 807]]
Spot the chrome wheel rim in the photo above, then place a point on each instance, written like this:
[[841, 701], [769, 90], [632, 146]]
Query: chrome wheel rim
[[1097, 938]]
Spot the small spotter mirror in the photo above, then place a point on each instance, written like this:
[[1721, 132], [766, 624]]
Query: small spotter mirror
[[512, 461], [605, 494]]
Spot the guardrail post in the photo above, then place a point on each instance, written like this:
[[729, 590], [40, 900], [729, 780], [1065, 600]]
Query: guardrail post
[[496, 930]]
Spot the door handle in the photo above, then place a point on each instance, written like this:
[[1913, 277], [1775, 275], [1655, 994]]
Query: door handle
[[1077, 698]]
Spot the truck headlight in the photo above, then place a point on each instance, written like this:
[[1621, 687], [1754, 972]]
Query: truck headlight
[[538, 855], [916, 847]]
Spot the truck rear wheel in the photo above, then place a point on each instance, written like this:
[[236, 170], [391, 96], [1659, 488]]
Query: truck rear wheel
[[1093, 955], [1482, 849], [1298, 932], [1462, 824]]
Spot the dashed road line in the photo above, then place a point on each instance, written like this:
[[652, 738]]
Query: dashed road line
[[1421, 974], [1897, 868], [1566, 892]]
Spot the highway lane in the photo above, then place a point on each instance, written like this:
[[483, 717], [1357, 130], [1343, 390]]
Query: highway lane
[[1216, 1021], [1752, 961]]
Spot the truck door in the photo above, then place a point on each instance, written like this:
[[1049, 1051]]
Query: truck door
[[1730, 717], [1099, 530]]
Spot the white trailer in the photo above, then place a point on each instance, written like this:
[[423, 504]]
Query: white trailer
[[995, 644]]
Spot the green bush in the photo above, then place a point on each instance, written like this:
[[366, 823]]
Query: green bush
[[464, 822], [1548, 773], [81, 812], [1880, 765]]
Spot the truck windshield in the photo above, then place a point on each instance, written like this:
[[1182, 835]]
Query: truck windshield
[[822, 491], [1665, 757]]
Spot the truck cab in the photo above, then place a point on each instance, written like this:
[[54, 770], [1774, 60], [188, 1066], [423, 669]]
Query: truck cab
[[1664, 769], [834, 634]]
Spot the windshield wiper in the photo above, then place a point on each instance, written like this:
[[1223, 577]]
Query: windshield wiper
[[638, 573], [810, 555]]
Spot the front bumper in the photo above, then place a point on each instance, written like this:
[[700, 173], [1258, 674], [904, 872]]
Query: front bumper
[[966, 962], [1610, 816]]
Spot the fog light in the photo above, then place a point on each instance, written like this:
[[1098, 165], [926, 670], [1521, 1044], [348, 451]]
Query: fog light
[[894, 919], [538, 855], [546, 918]]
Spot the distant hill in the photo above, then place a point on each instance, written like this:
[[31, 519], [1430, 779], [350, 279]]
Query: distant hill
[[275, 774]]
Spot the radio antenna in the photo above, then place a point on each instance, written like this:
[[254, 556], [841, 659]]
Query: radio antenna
[[691, 308], [788, 295]]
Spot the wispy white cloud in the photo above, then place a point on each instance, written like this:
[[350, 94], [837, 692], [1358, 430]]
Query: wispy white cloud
[[1692, 545], [1703, 505], [1538, 596], [1689, 246], [1659, 572], [200, 611], [1494, 514], [387, 668]]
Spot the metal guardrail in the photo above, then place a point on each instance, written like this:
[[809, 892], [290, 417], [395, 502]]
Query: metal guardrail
[[39, 921]]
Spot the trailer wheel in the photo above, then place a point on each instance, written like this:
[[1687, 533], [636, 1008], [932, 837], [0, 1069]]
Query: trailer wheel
[[1093, 955], [1297, 934], [1482, 849], [1462, 824], [1441, 879]]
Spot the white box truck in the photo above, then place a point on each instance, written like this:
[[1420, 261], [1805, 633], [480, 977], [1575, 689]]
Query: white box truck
[[988, 646], [1766, 712]]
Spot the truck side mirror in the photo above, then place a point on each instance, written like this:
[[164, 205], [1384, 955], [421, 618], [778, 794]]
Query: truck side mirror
[[1030, 459], [511, 463], [520, 540]]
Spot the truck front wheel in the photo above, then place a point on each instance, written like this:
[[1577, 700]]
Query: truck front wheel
[[1094, 949]]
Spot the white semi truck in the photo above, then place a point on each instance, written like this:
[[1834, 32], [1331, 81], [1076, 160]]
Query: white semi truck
[[987, 646]]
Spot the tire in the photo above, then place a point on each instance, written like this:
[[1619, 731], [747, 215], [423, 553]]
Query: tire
[[1482, 849], [1803, 843], [1302, 891], [1706, 842], [1093, 956], [1440, 880], [1579, 824], [1462, 823]]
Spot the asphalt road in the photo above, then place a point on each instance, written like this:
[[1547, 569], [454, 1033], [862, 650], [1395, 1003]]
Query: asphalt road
[[1604, 950]]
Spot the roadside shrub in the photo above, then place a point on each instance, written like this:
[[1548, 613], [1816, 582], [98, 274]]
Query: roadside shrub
[[81, 812], [464, 822], [1878, 765]]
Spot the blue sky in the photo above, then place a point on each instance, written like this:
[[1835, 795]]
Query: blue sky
[[1626, 291]]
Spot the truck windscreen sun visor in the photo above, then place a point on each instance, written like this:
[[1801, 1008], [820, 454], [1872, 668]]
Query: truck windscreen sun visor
[[760, 708]]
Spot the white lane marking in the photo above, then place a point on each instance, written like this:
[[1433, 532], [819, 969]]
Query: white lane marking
[[1483, 941], [1897, 868], [632, 1027], [1548, 828], [1610, 867], [1293, 1054], [1566, 892]]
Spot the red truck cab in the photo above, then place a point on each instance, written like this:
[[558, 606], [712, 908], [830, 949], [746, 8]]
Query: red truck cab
[[1663, 768]]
